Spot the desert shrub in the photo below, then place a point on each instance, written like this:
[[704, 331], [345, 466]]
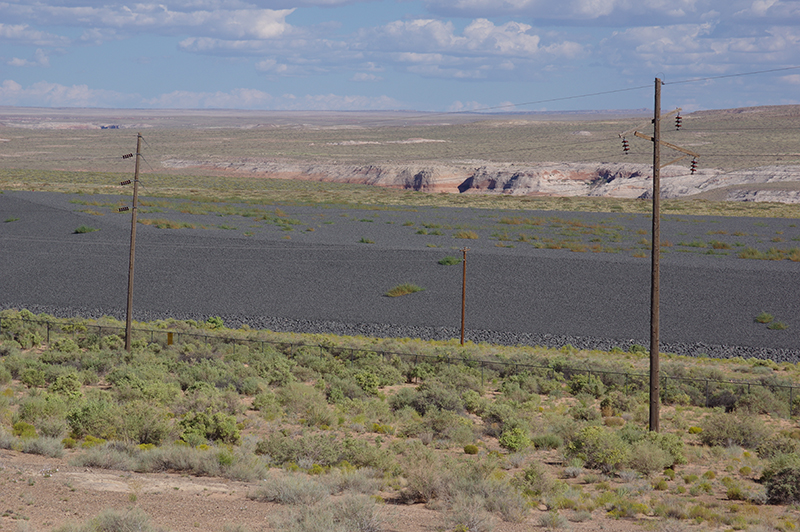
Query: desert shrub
[[552, 520], [111, 520], [68, 385], [364, 480], [534, 480], [432, 394], [44, 446], [142, 422], [5, 375], [473, 402], [322, 449], [367, 381], [199, 461], [274, 367], [267, 403], [599, 448], [33, 378], [585, 383], [616, 402], [547, 441], [647, 457], [34, 407], [467, 512], [105, 457], [24, 430], [730, 429], [291, 488], [783, 486], [514, 439], [54, 427], [95, 417], [778, 444], [470, 449], [760, 400], [206, 425], [584, 412], [299, 399]]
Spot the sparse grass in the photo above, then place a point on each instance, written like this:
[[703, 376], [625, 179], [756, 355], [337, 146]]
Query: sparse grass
[[449, 261], [403, 289], [365, 240], [764, 317], [84, 229], [8, 220], [469, 235]]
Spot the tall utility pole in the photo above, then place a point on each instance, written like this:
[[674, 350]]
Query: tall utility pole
[[128, 319], [655, 256], [463, 290], [656, 244]]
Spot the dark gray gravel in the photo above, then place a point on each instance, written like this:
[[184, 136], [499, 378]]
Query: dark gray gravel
[[247, 271]]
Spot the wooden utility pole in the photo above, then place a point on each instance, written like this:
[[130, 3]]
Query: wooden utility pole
[[128, 318], [463, 290], [656, 241], [655, 255]]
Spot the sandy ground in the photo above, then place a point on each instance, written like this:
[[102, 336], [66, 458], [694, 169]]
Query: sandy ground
[[40, 494]]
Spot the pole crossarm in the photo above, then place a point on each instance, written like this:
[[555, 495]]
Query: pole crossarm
[[667, 144], [665, 115]]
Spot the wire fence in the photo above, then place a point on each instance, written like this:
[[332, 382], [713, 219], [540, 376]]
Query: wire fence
[[699, 391]]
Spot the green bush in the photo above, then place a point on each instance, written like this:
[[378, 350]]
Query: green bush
[[216, 426], [514, 439], [322, 449], [783, 486], [586, 383], [731, 429], [24, 430], [367, 381], [94, 417], [647, 457], [547, 441], [470, 449], [599, 448]]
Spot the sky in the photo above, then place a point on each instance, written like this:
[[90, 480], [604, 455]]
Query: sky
[[421, 55]]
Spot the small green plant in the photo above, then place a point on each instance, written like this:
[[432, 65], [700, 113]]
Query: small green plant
[[403, 289], [469, 235], [449, 261], [85, 229], [365, 240], [470, 449], [777, 326], [764, 317], [10, 220]]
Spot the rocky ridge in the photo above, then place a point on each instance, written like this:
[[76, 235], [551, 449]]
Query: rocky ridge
[[617, 180]]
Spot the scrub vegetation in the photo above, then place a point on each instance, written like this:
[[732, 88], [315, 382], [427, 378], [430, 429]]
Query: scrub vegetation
[[331, 428]]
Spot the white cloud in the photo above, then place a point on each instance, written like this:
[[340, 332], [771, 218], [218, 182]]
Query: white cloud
[[56, 95], [23, 34], [40, 59], [220, 20], [694, 48], [568, 10], [363, 76]]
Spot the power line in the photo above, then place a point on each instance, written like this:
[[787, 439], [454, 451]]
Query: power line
[[754, 73]]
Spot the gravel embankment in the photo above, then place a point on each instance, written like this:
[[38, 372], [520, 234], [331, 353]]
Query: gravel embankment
[[328, 280]]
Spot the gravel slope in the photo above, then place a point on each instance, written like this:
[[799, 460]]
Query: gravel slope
[[325, 280]]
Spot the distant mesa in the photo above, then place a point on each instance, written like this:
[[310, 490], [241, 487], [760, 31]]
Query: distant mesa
[[614, 180]]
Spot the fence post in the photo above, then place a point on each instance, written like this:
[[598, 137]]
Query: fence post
[[707, 398], [482, 379], [791, 400], [47, 324]]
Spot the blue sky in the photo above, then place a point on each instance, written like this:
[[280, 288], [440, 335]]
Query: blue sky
[[423, 55]]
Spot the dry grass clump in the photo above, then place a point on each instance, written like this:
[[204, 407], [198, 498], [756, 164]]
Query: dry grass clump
[[403, 290]]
